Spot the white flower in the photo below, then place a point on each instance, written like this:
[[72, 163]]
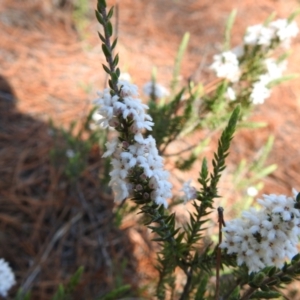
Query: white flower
[[162, 188], [157, 89], [111, 108], [7, 277], [190, 192], [264, 237], [252, 34], [226, 65], [252, 191], [119, 170], [127, 89], [125, 77], [150, 145], [259, 35], [285, 31], [107, 110], [264, 34], [274, 69], [128, 160], [230, 94], [259, 92], [96, 120], [70, 153], [138, 149], [120, 188], [239, 51], [111, 147], [151, 165], [96, 117]]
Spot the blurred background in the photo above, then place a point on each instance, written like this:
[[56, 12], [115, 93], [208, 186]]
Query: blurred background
[[56, 214]]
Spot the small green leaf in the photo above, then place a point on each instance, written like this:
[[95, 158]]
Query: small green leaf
[[109, 28], [101, 37], [77, 276], [235, 294], [285, 266], [116, 293], [275, 281], [202, 287], [269, 19], [60, 293], [282, 79], [114, 77], [264, 288], [296, 258], [22, 296], [178, 60], [229, 26], [114, 44], [105, 50], [106, 69], [265, 295], [258, 279], [110, 13], [286, 279], [297, 272], [111, 85], [293, 15], [298, 198], [116, 60], [204, 169], [99, 17]]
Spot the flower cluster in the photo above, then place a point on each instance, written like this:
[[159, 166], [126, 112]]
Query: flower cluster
[[260, 89], [156, 89], [230, 94], [137, 166], [7, 278], [226, 65], [264, 34], [280, 31], [112, 108], [229, 64], [265, 237]]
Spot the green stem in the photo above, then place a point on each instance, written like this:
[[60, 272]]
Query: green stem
[[186, 290], [290, 270], [109, 58]]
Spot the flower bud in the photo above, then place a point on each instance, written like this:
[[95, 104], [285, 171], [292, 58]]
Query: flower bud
[[138, 187]]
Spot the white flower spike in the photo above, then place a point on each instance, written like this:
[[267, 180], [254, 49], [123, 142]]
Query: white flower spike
[[140, 152]]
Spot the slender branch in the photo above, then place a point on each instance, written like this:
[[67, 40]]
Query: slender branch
[[221, 222], [290, 270], [109, 58], [186, 290]]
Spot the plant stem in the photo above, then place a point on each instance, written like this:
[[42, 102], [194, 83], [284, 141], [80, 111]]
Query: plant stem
[[186, 289], [109, 58], [221, 222]]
